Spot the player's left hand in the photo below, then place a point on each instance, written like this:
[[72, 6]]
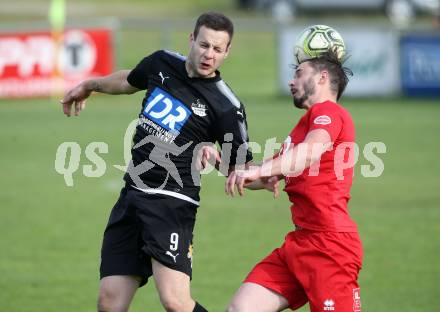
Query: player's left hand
[[272, 185]]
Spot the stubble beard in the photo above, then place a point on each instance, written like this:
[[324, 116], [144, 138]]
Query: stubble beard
[[197, 72], [309, 90]]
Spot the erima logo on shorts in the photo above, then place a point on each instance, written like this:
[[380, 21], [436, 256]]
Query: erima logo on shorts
[[322, 120], [356, 300], [165, 110], [329, 305]]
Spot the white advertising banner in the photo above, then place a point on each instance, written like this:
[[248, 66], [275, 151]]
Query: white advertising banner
[[373, 58]]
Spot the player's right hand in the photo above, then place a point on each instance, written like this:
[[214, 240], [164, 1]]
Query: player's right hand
[[75, 97], [240, 178], [207, 154]]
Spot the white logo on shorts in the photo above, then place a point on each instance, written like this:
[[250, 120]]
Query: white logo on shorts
[[168, 253], [356, 300], [329, 305]]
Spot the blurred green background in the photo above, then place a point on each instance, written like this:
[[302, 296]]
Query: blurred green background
[[51, 234]]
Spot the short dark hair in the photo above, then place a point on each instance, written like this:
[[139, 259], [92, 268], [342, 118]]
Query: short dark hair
[[215, 21], [338, 74]]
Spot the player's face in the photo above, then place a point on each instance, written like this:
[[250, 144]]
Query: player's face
[[207, 52], [303, 85]]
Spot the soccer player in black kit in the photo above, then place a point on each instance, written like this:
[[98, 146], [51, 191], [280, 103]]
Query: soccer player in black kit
[[187, 105]]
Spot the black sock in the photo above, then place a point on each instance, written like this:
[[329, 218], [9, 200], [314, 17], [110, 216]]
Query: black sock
[[199, 308]]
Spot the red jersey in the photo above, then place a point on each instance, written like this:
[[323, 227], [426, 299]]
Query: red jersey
[[320, 193]]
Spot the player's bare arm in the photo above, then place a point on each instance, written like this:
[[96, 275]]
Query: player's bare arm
[[307, 153], [270, 184], [210, 154], [115, 83]]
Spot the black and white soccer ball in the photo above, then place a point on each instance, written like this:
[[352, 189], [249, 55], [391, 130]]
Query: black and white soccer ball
[[317, 39]]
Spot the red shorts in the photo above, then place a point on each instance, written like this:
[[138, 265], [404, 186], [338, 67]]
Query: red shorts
[[317, 267]]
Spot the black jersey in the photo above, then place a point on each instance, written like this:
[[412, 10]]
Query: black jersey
[[178, 115]]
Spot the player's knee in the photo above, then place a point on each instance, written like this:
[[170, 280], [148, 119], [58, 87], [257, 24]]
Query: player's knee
[[232, 307], [171, 305], [235, 306], [109, 302], [174, 304]]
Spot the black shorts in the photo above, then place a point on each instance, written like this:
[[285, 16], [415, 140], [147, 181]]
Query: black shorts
[[144, 226]]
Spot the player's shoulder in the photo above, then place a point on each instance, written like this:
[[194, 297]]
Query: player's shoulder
[[327, 111], [229, 101], [171, 55], [166, 56]]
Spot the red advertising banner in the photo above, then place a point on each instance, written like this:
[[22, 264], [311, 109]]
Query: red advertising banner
[[36, 64]]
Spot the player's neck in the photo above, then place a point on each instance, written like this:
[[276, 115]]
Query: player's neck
[[320, 98]]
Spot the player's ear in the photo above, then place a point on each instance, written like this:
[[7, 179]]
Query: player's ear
[[324, 76], [191, 38], [227, 50]]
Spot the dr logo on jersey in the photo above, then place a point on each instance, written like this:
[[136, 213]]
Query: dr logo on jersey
[[165, 110]]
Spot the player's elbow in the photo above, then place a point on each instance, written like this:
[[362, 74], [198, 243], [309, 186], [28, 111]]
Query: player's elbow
[[128, 88]]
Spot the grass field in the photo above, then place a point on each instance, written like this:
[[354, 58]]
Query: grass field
[[51, 234]]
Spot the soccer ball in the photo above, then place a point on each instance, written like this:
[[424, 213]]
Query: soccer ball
[[317, 39]]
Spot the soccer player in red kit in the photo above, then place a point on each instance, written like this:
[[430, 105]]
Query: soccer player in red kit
[[320, 260]]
